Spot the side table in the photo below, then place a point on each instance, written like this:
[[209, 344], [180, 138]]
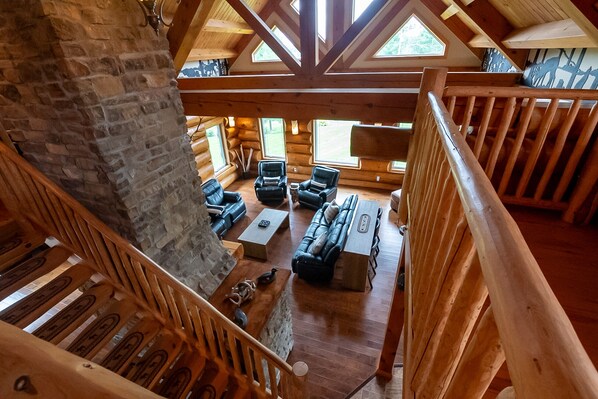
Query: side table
[[294, 190]]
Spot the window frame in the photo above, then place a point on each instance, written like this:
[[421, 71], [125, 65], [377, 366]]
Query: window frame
[[223, 143], [263, 141], [374, 57], [329, 162], [262, 42]]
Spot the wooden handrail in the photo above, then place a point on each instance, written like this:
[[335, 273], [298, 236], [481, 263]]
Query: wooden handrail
[[463, 247], [489, 91], [29, 193]]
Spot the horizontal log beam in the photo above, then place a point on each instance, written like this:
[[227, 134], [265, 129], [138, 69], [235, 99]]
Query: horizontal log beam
[[384, 143], [344, 80], [220, 26], [382, 105], [201, 54]]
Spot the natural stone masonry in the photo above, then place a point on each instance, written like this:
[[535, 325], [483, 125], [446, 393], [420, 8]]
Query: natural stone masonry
[[89, 97]]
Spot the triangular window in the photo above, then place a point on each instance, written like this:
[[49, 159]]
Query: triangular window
[[413, 39], [263, 52], [321, 4]]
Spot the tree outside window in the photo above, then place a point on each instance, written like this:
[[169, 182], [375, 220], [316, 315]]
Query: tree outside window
[[216, 145], [333, 142], [273, 137]]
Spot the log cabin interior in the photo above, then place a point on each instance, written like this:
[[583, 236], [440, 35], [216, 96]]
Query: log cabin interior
[[479, 282]]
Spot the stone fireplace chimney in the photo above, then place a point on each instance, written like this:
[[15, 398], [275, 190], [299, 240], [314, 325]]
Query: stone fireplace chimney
[[89, 97]]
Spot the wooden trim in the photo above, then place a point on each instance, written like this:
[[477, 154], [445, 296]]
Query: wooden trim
[[264, 14], [492, 24], [263, 30], [189, 19], [356, 29]]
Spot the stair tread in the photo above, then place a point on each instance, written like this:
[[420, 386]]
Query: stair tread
[[31, 269], [28, 309], [137, 338], [149, 369], [179, 380], [17, 248], [99, 332], [75, 314], [213, 382]]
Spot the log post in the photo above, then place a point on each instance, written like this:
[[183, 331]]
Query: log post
[[507, 393], [481, 361], [587, 181], [433, 79], [299, 381]]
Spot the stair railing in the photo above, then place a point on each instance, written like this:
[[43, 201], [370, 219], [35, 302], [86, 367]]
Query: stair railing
[[462, 248], [535, 145], [26, 191]]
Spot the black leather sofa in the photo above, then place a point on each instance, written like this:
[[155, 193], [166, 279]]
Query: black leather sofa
[[225, 207], [320, 267], [271, 183], [314, 197]]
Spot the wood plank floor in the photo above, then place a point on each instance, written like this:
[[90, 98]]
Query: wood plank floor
[[337, 332]]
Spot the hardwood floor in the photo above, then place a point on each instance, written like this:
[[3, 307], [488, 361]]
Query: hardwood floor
[[337, 332]]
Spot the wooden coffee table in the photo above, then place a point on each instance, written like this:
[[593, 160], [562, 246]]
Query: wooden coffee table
[[255, 239]]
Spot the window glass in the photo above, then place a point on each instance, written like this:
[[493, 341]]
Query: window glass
[[263, 52], [273, 137], [412, 39], [359, 7], [321, 4], [216, 145], [333, 142]]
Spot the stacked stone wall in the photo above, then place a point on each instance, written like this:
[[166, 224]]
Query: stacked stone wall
[[89, 97]]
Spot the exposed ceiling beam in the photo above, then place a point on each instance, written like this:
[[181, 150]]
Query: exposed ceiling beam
[[309, 36], [384, 105], [263, 30], [189, 19], [264, 14], [449, 12], [585, 15], [557, 34], [220, 26], [350, 35], [200, 54], [373, 80], [492, 24], [455, 25]]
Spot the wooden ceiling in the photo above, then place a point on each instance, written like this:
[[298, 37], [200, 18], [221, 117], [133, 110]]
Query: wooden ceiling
[[208, 29]]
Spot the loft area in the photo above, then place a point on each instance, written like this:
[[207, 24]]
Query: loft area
[[138, 158]]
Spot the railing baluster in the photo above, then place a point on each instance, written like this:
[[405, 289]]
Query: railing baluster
[[467, 115], [499, 139], [481, 136]]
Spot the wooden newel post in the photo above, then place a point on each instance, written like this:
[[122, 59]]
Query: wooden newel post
[[299, 381], [433, 79]]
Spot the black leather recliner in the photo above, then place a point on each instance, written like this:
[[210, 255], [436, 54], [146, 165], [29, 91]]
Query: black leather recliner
[[311, 196], [225, 207], [271, 183]]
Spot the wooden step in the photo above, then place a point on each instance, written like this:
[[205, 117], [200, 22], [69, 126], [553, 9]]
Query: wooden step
[[238, 392], [32, 269], [30, 308], [75, 314], [179, 380], [137, 338], [17, 248], [99, 332], [155, 361], [212, 384], [8, 226]]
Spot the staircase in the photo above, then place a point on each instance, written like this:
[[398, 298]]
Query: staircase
[[84, 290]]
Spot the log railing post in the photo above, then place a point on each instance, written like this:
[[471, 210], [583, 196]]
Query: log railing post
[[587, 182], [433, 79], [299, 381]]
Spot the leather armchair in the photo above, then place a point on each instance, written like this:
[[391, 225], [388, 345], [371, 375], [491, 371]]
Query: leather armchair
[[311, 196], [271, 183], [225, 207]]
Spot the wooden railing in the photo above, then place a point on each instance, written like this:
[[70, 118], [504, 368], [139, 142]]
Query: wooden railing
[[535, 145], [28, 193], [462, 252]]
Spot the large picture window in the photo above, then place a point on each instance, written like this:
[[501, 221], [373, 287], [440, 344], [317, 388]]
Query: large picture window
[[273, 138], [333, 142], [217, 149]]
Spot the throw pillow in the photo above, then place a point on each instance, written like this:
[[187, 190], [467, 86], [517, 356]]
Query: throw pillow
[[215, 209], [317, 245], [317, 186], [331, 211], [270, 181]]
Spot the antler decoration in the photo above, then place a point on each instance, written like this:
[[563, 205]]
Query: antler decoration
[[242, 292]]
